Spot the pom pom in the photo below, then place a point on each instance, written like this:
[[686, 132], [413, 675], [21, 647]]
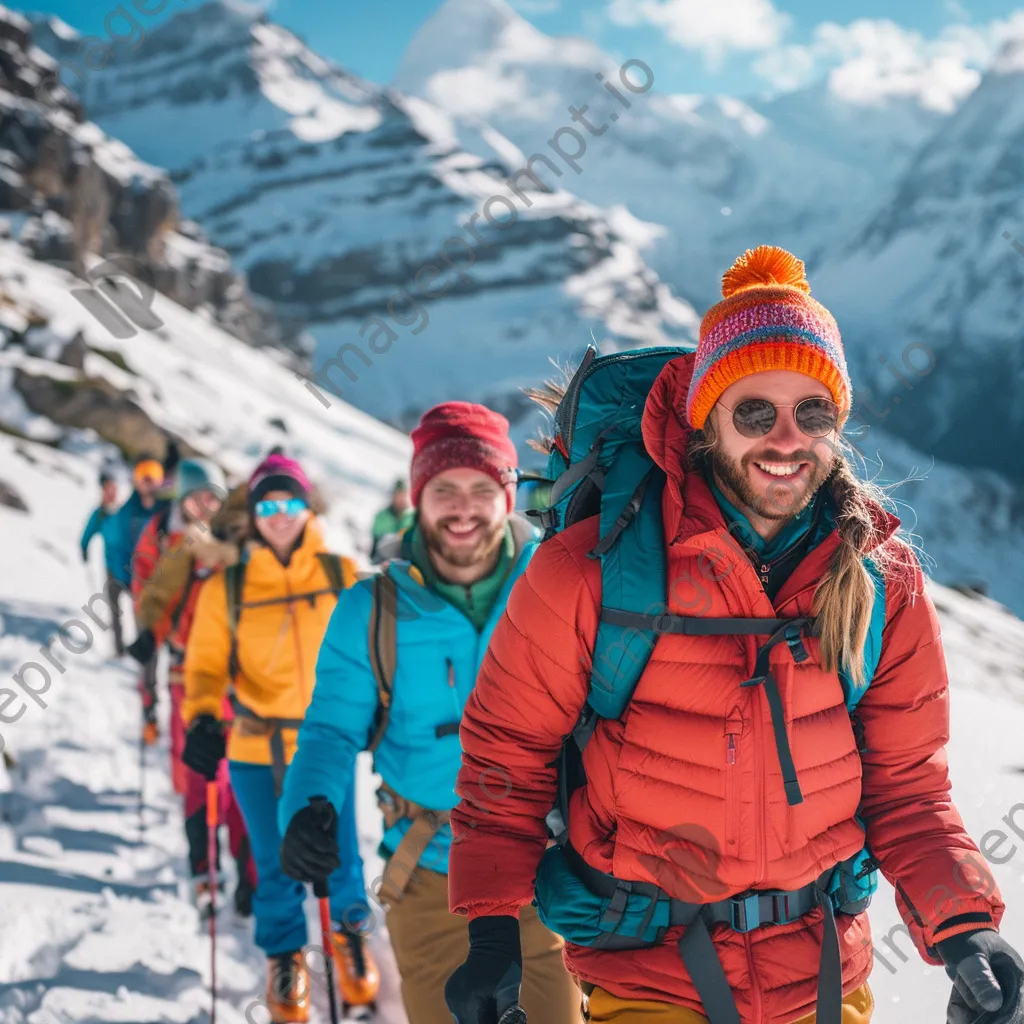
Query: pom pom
[[765, 265]]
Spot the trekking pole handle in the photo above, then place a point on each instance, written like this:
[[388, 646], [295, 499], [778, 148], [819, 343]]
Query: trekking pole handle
[[320, 887]]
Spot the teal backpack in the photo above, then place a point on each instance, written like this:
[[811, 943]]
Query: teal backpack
[[599, 466]]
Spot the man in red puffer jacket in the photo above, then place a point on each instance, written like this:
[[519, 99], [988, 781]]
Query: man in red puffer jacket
[[721, 778]]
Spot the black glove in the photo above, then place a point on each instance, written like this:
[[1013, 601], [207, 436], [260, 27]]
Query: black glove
[[486, 987], [205, 746], [988, 979], [143, 647], [309, 850]]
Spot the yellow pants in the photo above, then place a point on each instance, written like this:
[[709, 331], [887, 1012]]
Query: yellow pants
[[857, 1009]]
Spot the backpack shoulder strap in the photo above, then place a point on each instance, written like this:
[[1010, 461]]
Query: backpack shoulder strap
[[383, 649], [234, 582], [186, 594], [633, 577], [331, 565]]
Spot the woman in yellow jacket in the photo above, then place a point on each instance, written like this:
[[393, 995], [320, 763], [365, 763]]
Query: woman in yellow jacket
[[255, 638]]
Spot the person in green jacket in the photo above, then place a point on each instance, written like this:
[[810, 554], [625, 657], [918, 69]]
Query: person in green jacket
[[395, 518]]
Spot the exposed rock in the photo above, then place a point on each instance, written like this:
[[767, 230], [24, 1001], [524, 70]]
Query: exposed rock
[[89, 402], [10, 498], [74, 352], [88, 194]]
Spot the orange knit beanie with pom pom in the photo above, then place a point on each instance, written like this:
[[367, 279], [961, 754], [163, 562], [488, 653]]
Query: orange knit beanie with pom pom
[[766, 321]]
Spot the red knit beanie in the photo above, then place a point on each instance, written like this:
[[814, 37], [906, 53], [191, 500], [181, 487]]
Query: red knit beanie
[[461, 435]]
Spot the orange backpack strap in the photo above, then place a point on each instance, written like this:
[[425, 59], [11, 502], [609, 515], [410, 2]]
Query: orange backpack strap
[[383, 649]]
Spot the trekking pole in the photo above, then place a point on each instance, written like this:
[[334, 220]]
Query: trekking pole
[[142, 783], [321, 890], [322, 893], [211, 857]]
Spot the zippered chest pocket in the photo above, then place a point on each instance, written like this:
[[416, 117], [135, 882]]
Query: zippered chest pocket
[[427, 702]]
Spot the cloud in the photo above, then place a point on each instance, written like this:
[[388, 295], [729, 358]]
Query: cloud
[[713, 30], [869, 60]]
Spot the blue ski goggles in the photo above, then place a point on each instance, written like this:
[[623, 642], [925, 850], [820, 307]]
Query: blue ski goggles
[[289, 507]]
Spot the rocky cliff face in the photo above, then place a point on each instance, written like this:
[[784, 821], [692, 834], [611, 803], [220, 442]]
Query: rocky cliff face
[[74, 196]]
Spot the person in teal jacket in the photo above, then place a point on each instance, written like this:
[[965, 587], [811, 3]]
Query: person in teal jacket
[[106, 507], [103, 511], [452, 573]]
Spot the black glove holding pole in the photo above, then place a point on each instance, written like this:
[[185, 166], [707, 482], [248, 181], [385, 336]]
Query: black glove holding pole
[[309, 850], [143, 647], [988, 979], [205, 746], [485, 989]]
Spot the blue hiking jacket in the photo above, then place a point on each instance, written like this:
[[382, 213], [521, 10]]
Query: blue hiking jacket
[[120, 534], [439, 655], [93, 526]]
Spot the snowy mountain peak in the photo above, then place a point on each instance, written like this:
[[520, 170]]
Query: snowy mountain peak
[[456, 31], [222, 21]]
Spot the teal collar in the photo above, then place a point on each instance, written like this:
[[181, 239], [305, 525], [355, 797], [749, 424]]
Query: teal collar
[[793, 531]]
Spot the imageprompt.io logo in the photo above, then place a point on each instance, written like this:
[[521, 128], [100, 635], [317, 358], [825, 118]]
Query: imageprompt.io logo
[[118, 299]]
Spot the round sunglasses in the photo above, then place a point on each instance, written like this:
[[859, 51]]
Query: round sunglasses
[[290, 507], [755, 417]]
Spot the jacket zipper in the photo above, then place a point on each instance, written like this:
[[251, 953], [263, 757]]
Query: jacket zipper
[[760, 840], [733, 729], [451, 687]]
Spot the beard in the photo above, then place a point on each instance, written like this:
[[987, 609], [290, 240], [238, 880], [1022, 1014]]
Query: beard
[[486, 546], [782, 500]]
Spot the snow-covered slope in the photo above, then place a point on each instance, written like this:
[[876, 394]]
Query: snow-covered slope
[[939, 263], [98, 926], [98, 922], [344, 202], [720, 173]]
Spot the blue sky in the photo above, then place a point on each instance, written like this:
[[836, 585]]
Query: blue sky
[[756, 44]]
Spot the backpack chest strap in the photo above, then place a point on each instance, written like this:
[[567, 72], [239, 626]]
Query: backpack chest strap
[[743, 913]]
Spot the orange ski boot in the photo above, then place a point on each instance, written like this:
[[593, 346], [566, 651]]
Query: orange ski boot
[[358, 977], [288, 989]]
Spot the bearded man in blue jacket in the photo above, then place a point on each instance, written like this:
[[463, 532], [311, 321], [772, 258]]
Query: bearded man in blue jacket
[[446, 587]]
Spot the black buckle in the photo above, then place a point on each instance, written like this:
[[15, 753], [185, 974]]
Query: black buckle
[[795, 642], [745, 912]]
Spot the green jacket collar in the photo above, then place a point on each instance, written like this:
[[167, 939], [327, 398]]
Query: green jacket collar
[[474, 601]]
